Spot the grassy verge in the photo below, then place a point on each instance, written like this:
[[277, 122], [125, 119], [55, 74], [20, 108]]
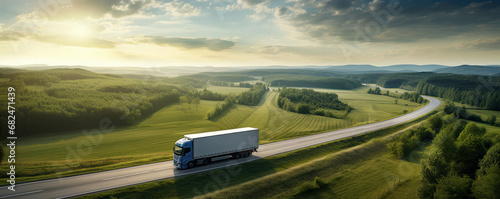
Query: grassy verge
[[203, 183]]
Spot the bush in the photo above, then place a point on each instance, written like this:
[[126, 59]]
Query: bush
[[486, 185], [492, 158], [453, 186], [475, 118], [303, 108], [449, 107], [309, 186], [320, 112], [306, 187], [492, 120], [396, 148], [435, 122], [409, 141], [319, 182]]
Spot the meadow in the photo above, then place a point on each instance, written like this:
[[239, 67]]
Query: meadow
[[152, 139]]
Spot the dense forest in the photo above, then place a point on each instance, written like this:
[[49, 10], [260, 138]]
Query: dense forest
[[308, 101], [461, 161], [71, 99], [391, 80], [311, 81], [472, 90], [308, 72]]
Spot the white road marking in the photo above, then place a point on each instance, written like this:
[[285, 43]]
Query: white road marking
[[20, 194]]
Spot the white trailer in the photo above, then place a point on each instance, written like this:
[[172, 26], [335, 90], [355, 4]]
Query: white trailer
[[199, 148]]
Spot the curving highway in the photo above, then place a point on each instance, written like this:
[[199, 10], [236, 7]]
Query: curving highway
[[95, 182]]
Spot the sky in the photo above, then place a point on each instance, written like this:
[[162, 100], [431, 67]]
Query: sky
[[249, 32]]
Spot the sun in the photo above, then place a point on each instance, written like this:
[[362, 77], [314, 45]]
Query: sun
[[81, 31]]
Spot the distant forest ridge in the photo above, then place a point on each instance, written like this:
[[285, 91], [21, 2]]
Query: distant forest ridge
[[311, 81], [331, 71]]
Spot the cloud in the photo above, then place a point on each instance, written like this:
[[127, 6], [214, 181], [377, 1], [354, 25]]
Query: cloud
[[100, 8], [69, 41], [186, 43], [338, 4], [482, 44], [252, 2], [390, 20], [181, 9], [7, 34]]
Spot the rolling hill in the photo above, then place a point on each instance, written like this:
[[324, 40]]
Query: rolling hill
[[471, 70]]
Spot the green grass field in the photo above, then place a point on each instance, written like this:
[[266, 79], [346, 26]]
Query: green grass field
[[485, 114], [152, 139]]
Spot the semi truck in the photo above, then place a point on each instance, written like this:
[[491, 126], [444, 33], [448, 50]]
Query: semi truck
[[199, 149]]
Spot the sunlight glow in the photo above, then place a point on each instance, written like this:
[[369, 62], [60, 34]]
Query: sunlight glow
[[81, 31]]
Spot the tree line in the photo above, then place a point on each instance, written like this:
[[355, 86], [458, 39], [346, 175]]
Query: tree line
[[462, 91], [308, 101], [220, 108], [230, 84], [413, 97], [291, 80], [251, 97]]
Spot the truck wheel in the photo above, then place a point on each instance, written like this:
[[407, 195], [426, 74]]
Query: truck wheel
[[245, 154], [190, 165], [237, 155], [206, 161]]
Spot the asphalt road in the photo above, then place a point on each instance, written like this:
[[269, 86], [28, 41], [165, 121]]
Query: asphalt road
[[95, 182]]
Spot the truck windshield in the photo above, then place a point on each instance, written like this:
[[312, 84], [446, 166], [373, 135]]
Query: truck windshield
[[177, 150]]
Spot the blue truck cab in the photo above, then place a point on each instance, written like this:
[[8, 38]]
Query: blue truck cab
[[183, 153]]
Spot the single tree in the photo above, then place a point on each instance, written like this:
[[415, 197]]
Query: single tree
[[196, 102], [189, 100], [492, 120], [183, 100]]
